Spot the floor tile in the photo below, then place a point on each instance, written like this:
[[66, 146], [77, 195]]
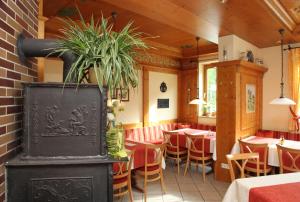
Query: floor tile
[[181, 188]]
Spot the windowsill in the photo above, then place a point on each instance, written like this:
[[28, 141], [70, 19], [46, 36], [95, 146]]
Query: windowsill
[[208, 117]]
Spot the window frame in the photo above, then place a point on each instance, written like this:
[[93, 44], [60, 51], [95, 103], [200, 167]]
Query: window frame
[[205, 68]]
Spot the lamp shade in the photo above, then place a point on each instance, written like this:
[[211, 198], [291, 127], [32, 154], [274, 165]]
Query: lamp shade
[[282, 101], [197, 101]]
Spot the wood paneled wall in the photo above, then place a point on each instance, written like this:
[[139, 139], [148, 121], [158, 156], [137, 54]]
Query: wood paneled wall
[[233, 120], [188, 90]]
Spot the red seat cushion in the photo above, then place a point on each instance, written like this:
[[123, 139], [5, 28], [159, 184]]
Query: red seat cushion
[[199, 155], [150, 168], [253, 165], [175, 150], [121, 180]]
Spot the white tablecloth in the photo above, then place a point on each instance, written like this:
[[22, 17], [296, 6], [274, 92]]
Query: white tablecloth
[[272, 154], [239, 189], [212, 142]]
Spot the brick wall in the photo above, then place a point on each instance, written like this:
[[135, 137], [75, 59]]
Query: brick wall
[[15, 16]]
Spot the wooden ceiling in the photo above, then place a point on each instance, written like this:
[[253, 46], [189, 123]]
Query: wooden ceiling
[[178, 22]]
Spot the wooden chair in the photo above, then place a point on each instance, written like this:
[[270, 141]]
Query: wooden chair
[[122, 178], [173, 150], [262, 150], [289, 159], [241, 160], [197, 153], [153, 166]]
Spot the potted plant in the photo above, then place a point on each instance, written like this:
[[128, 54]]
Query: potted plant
[[106, 53]]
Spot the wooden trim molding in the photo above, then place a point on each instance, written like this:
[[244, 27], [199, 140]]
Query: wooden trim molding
[[132, 125], [127, 126], [161, 69], [281, 13]]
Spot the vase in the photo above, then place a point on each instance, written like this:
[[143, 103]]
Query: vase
[[115, 142]]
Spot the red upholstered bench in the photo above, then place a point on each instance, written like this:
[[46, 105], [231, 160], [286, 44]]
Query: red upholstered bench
[[278, 134], [154, 134]]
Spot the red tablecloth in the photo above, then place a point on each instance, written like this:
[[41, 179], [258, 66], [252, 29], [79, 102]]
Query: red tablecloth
[[139, 155], [182, 138], [289, 192]]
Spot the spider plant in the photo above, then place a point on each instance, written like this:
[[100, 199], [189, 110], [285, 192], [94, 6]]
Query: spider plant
[[98, 48]]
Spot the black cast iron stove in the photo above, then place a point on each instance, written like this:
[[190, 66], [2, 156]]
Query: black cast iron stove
[[65, 156]]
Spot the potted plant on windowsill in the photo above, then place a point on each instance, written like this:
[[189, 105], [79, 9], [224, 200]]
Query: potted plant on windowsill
[[106, 53]]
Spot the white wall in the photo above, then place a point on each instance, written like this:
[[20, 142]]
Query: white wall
[[53, 71], [133, 112], [155, 79], [275, 117], [234, 46]]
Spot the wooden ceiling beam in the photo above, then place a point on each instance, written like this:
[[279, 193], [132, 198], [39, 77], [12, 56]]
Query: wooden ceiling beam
[[170, 14], [279, 11]]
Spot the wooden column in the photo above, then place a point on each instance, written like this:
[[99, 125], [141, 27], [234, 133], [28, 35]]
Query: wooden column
[[41, 35], [233, 118], [145, 97]]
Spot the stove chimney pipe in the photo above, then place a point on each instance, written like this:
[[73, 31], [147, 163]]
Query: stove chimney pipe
[[28, 47]]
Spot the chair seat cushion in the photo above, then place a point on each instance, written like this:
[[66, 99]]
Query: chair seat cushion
[[121, 180], [150, 168], [253, 165], [172, 149], [199, 155]]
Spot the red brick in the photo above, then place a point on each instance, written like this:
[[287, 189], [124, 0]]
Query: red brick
[[13, 75], [14, 109], [7, 28], [2, 197], [32, 73], [18, 101], [6, 82], [22, 22], [23, 8], [2, 131], [7, 156], [6, 64], [6, 101], [2, 111], [6, 9], [6, 46], [13, 144]]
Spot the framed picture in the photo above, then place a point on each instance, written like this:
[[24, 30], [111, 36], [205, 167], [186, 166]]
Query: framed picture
[[123, 94], [250, 98]]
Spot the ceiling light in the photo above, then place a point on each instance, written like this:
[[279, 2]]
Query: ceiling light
[[282, 100]]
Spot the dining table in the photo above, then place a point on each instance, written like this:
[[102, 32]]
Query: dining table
[[273, 159], [271, 188], [209, 139]]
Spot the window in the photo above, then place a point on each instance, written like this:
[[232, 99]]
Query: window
[[210, 91]]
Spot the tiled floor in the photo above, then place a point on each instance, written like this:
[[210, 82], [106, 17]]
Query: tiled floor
[[182, 188]]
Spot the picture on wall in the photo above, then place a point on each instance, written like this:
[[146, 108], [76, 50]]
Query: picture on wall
[[250, 98], [123, 94]]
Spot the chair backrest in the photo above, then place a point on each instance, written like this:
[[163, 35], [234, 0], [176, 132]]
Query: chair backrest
[[171, 139], [289, 159], [124, 168], [240, 161], [260, 148], [195, 144], [156, 151]]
